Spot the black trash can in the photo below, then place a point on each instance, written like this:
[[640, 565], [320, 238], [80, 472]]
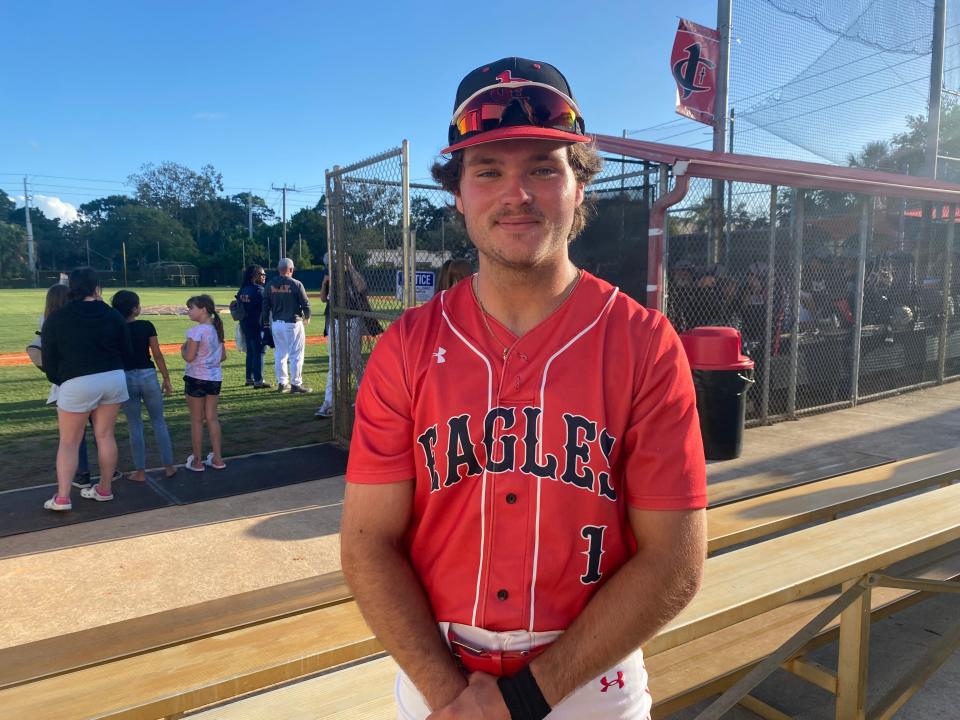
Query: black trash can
[[721, 376]]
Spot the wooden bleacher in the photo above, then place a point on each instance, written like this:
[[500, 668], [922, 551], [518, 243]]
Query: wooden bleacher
[[86, 648], [706, 648], [232, 646], [763, 515]]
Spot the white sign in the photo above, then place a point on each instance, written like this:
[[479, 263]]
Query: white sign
[[426, 285]]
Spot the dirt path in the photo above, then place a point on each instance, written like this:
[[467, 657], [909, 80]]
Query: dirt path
[[21, 358]]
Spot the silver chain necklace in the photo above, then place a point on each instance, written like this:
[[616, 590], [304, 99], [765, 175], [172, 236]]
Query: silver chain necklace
[[484, 313]]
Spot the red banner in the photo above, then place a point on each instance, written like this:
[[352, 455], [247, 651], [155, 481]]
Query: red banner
[[694, 67]]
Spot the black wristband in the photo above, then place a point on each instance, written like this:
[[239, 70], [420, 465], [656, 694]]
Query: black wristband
[[523, 697]]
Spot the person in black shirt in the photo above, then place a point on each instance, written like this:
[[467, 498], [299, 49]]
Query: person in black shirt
[[250, 297], [142, 386], [83, 346], [286, 308]]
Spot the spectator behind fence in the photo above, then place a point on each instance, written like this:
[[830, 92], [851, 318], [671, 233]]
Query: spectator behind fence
[[355, 327], [250, 297], [84, 345], [285, 310], [453, 271], [202, 377], [142, 386]]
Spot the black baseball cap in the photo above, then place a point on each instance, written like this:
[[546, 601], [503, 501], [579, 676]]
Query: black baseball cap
[[514, 98]]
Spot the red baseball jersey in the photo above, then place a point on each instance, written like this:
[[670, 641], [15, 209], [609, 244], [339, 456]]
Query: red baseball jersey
[[525, 464]]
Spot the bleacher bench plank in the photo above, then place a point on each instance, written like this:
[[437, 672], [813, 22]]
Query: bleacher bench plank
[[727, 525], [678, 677], [706, 666], [765, 515], [361, 692], [85, 648], [205, 671], [758, 578], [737, 585]]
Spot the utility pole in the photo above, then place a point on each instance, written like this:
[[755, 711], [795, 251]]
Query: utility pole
[[933, 125], [726, 222], [283, 242], [268, 250], [300, 247], [936, 87], [31, 253], [724, 15]]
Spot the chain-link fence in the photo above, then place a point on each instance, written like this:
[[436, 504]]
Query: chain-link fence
[[838, 297], [614, 243], [368, 234]]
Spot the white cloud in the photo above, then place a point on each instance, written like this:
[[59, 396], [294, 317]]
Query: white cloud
[[208, 116], [52, 207]]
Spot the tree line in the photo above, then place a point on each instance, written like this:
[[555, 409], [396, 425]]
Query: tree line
[[173, 214]]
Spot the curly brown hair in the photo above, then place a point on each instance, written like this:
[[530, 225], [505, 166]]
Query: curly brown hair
[[584, 161]]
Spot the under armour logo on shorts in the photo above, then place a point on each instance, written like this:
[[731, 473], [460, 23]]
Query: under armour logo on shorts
[[607, 684]]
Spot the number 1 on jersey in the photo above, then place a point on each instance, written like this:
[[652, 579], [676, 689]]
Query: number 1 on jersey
[[593, 534]]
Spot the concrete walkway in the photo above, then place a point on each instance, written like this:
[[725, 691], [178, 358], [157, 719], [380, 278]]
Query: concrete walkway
[[95, 573]]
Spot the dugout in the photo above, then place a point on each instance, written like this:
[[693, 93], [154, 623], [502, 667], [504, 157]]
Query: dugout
[[840, 279]]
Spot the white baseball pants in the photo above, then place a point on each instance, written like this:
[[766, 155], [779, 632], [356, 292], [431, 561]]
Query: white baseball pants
[[618, 694], [290, 340]]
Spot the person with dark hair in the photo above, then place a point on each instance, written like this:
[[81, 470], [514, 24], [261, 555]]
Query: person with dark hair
[[204, 352], [286, 308], [453, 271], [525, 491], [142, 386], [250, 298], [84, 345]]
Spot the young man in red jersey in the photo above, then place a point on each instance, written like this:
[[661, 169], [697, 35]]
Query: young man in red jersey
[[526, 484]]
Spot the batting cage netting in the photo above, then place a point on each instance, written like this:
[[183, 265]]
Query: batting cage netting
[[838, 81]]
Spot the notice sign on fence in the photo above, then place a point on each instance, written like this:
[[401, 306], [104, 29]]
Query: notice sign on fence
[[426, 285]]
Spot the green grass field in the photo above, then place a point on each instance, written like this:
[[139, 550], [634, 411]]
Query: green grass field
[[252, 420]]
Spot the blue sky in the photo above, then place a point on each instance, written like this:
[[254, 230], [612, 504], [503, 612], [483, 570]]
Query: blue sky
[[279, 94]]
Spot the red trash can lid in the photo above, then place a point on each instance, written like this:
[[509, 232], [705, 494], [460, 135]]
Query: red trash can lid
[[715, 348]]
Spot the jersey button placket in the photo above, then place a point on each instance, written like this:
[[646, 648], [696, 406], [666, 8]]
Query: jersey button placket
[[511, 498], [502, 594]]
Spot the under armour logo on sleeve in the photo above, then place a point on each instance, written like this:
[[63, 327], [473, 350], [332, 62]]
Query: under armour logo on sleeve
[[607, 684]]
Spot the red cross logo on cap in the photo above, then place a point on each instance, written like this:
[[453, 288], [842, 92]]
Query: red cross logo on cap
[[506, 77]]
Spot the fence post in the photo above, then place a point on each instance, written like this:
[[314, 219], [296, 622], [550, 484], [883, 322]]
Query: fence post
[[945, 311], [771, 279], [338, 316], [409, 250], [797, 231], [664, 278], [865, 211]]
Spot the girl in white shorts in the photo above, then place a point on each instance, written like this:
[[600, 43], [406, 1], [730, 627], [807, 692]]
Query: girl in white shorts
[[83, 345]]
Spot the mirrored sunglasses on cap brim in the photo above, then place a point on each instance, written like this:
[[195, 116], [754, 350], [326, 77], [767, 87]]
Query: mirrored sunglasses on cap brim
[[520, 106]]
